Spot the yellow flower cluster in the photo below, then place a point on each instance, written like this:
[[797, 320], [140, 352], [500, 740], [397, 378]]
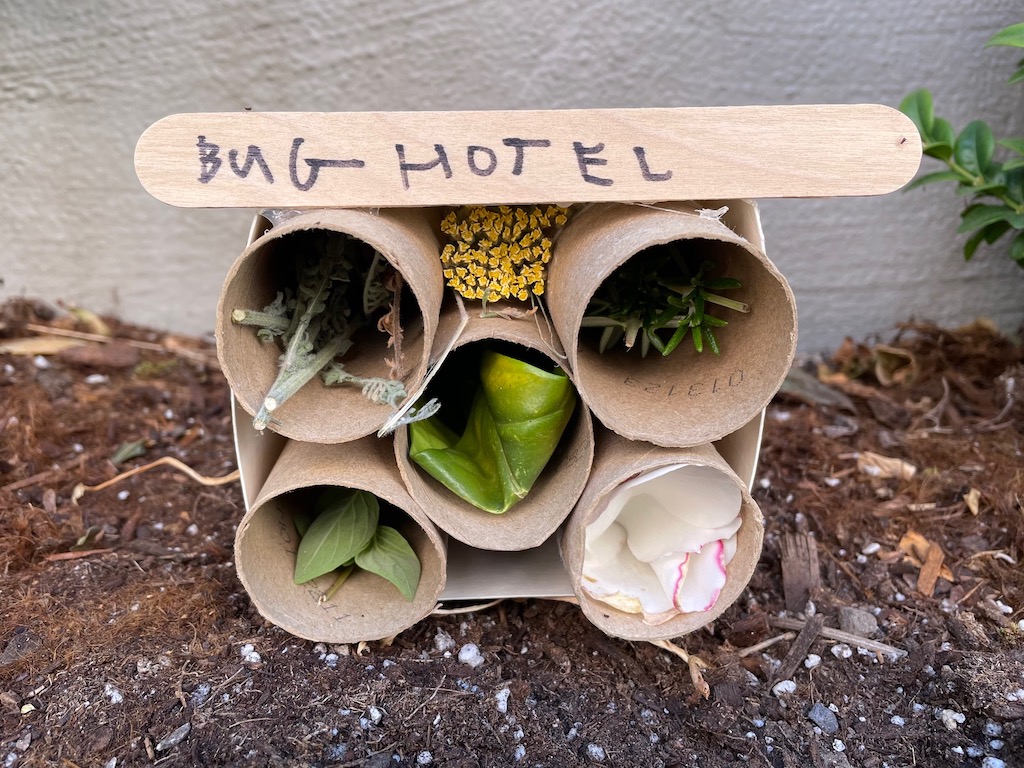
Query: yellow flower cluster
[[499, 253]]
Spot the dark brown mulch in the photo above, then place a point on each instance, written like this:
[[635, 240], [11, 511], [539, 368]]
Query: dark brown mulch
[[126, 639]]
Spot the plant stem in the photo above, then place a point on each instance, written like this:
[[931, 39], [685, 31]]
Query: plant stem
[[260, 320], [291, 378], [342, 577]]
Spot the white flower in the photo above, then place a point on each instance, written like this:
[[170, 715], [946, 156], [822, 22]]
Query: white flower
[[660, 545]]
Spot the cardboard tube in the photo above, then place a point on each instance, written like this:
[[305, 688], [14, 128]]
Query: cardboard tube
[[616, 461], [531, 521], [687, 398], [367, 607], [319, 414]]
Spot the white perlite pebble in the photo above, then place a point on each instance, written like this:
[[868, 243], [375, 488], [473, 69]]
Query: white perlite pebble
[[784, 687], [812, 660], [520, 753], [951, 719], [248, 653], [502, 699], [114, 695], [41, 362], [94, 379], [470, 654], [871, 548], [992, 729], [993, 762], [375, 715], [596, 752], [443, 641], [424, 758], [842, 651], [898, 721], [838, 745]]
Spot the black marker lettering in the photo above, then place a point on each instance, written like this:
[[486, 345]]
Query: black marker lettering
[[645, 169], [471, 153], [584, 161], [738, 381], [209, 163], [314, 166], [404, 167], [695, 390], [252, 155], [520, 144]]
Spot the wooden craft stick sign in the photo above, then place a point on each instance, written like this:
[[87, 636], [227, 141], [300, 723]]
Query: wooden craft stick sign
[[370, 159]]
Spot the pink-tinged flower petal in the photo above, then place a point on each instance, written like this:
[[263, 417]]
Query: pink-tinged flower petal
[[729, 549], [621, 580], [705, 577], [679, 511]]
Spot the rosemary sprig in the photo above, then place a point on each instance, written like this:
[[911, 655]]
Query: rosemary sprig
[[657, 298]]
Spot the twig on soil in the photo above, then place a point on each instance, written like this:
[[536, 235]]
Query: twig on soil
[[173, 349], [766, 644], [802, 644], [841, 637], [427, 701], [695, 663], [466, 609], [362, 760], [75, 555], [170, 461], [40, 476]]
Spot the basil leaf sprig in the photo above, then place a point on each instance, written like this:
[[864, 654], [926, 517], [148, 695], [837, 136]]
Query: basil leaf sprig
[[657, 297], [345, 534]]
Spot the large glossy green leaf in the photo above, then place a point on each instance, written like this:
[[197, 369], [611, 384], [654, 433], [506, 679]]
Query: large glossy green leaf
[[1011, 35], [344, 526], [514, 426], [928, 178], [1017, 249], [918, 107], [976, 216], [974, 147], [389, 555]]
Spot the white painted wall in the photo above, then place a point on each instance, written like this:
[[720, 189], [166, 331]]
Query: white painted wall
[[80, 81]]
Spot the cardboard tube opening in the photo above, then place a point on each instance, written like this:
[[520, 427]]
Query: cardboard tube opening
[[618, 461], [317, 413], [687, 398], [531, 521], [366, 607]]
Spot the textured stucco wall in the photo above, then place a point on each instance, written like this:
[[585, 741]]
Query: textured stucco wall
[[80, 81]]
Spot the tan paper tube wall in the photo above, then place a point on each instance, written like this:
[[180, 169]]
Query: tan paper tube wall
[[686, 398], [367, 607], [407, 239]]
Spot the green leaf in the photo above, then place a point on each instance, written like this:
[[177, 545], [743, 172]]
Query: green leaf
[[1017, 76], [514, 426], [1017, 249], [339, 533], [301, 519], [976, 216], [988, 234], [1014, 164], [1015, 144], [918, 107], [1012, 35], [126, 451], [928, 178], [388, 554], [974, 147], [941, 140]]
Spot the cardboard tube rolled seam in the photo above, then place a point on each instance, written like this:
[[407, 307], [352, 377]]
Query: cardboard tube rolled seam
[[686, 398], [407, 239], [367, 607], [616, 461], [530, 522]]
